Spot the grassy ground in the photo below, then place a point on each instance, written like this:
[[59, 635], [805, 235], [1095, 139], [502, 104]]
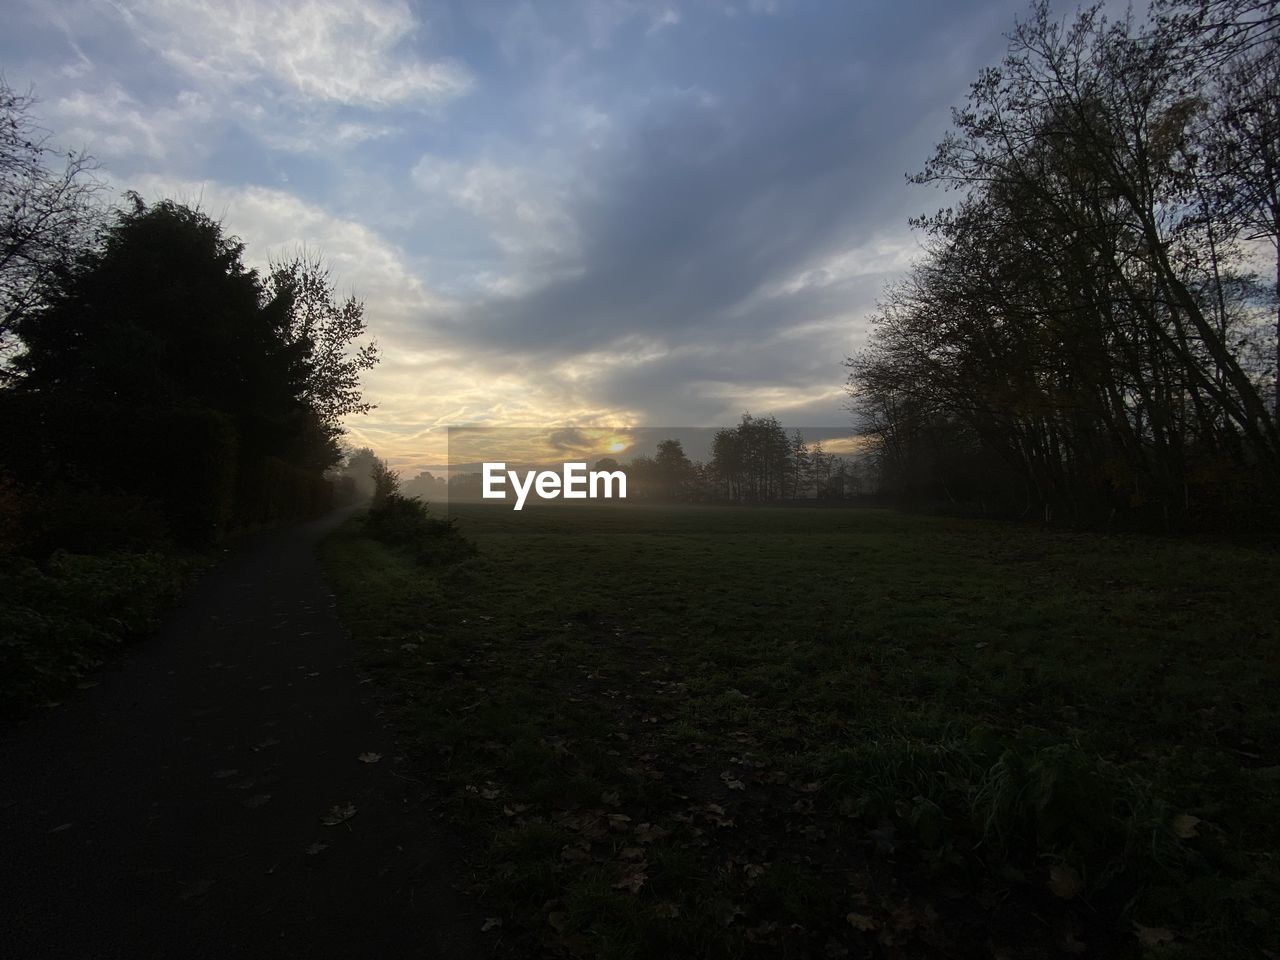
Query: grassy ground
[[61, 619], [705, 732]]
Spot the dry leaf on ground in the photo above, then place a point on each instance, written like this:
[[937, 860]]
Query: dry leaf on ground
[[338, 813], [1154, 936], [1184, 826], [1064, 882]]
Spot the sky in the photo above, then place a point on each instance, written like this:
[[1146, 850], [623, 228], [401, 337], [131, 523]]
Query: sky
[[561, 213]]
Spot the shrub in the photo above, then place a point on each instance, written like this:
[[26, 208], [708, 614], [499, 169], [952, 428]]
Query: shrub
[[62, 618], [405, 523]]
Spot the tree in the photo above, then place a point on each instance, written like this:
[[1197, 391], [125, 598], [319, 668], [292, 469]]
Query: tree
[[47, 216], [1082, 314], [800, 469], [672, 468], [361, 466], [325, 331], [161, 338], [727, 462], [425, 486]]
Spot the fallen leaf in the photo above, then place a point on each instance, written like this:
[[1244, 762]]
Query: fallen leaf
[[1064, 882], [61, 827], [369, 757], [648, 832], [725, 911], [197, 889], [316, 848], [1068, 943], [1153, 936], [558, 920], [339, 813], [732, 782], [579, 852], [489, 793], [632, 878], [223, 774], [610, 798], [492, 923], [257, 800], [667, 910], [1184, 826], [860, 921]]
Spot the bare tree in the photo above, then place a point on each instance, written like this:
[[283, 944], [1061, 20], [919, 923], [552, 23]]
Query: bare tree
[[50, 211], [1082, 309]]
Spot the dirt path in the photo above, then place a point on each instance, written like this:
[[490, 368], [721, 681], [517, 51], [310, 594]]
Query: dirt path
[[175, 809]]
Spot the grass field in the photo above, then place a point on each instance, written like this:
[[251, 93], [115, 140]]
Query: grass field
[[705, 732]]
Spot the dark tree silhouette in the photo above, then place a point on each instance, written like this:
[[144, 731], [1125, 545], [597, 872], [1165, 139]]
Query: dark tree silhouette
[[219, 393], [1082, 336]]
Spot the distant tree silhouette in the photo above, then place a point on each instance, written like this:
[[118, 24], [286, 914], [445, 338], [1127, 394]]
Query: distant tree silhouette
[[672, 469], [361, 466], [426, 486]]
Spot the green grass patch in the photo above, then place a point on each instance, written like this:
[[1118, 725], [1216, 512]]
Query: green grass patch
[[780, 732]]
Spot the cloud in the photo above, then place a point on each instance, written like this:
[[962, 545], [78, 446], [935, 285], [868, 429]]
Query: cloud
[[642, 211], [522, 211], [110, 122], [426, 382], [342, 51]]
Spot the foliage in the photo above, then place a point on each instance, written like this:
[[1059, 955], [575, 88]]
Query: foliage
[[756, 460], [405, 523], [360, 467], [325, 331], [1082, 336], [215, 395], [386, 483], [63, 618], [699, 731]]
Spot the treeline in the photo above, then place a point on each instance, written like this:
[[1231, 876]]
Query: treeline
[[154, 388], [1093, 331], [754, 462]]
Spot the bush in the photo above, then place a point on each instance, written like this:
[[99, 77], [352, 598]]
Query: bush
[[91, 521], [61, 619], [405, 523]]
